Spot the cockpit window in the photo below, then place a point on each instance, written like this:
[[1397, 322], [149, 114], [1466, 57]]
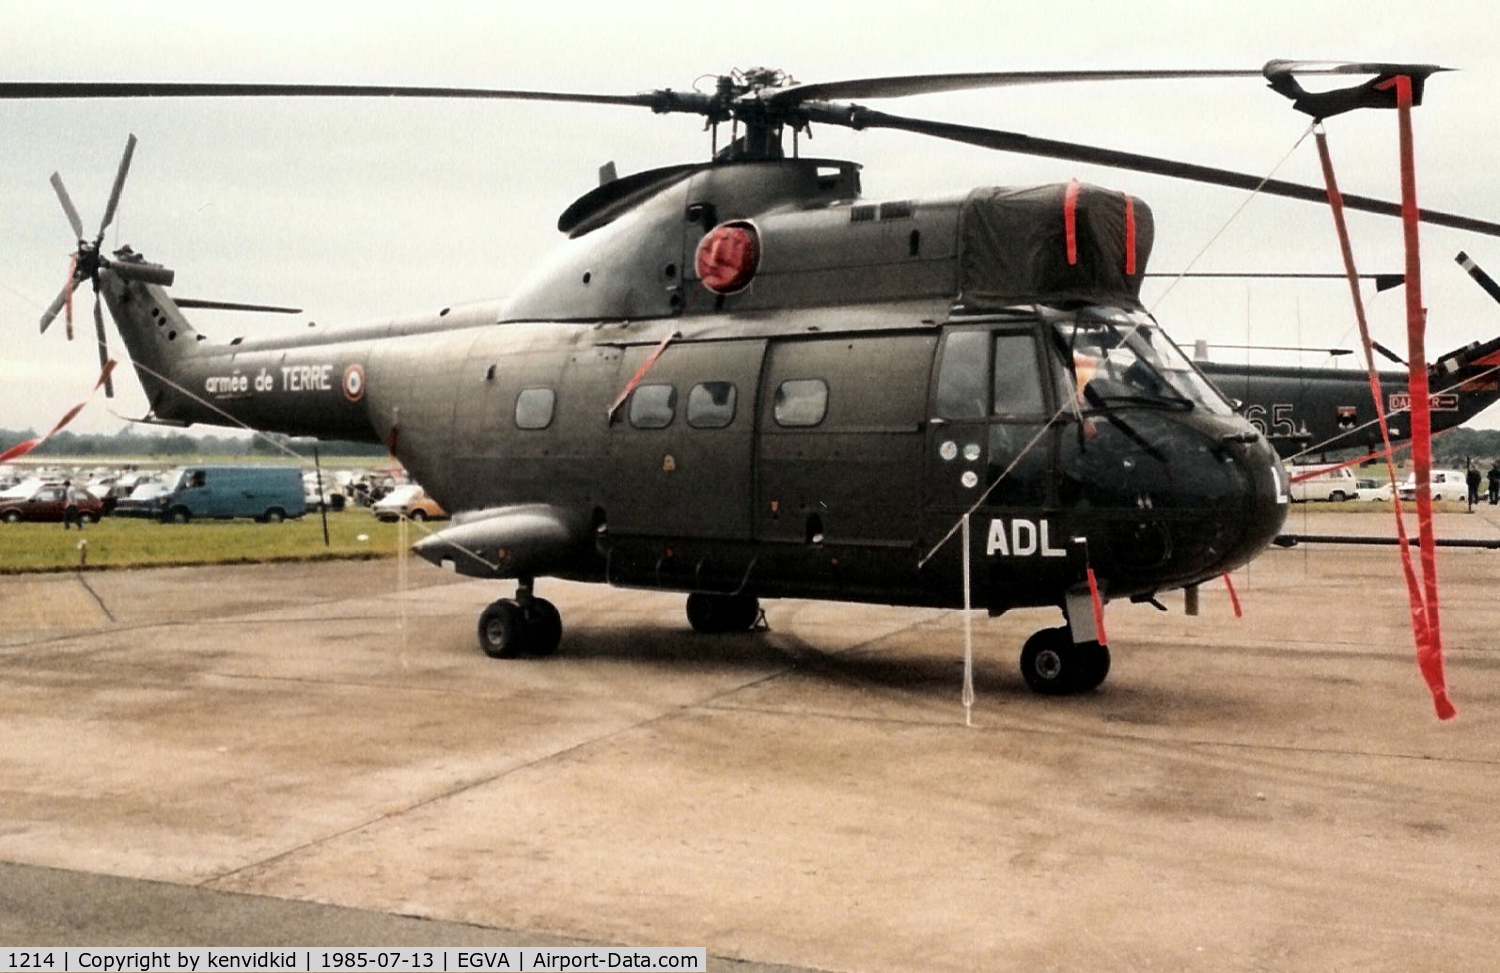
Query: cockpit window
[[1018, 385], [1119, 358]]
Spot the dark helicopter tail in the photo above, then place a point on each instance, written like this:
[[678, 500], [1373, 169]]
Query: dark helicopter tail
[[160, 340], [1468, 379]]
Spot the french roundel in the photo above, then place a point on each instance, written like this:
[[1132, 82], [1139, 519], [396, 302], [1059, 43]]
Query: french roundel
[[354, 383], [727, 257]]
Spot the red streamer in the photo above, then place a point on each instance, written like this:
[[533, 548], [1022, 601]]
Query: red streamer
[[1070, 220], [1098, 608], [1422, 605], [1234, 597], [1129, 235], [640, 373], [21, 449]]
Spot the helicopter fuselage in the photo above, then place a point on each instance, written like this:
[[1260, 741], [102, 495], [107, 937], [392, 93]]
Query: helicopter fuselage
[[811, 410]]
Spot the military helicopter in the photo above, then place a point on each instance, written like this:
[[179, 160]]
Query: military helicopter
[[1314, 411], [740, 379]]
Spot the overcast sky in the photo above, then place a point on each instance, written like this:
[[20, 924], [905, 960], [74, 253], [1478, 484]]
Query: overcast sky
[[370, 209]]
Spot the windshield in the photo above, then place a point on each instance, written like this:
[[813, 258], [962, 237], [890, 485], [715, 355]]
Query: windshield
[[1120, 358]]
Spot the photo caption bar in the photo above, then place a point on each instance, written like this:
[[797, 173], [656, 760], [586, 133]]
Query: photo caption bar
[[317, 959]]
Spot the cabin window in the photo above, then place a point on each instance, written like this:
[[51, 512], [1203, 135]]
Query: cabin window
[[534, 408], [964, 376], [801, 402], [1018, 383], [711, 405], [653, 406]]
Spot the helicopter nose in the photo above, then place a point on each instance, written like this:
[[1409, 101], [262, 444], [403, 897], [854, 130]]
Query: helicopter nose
[[1268, 496], [1177, 499]]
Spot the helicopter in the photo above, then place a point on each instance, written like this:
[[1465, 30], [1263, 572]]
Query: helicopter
[[740, 379], [1304, 412], [1307, 411]]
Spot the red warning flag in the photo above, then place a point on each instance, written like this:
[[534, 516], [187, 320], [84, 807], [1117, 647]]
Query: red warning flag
[[21, 449], [1421, 590]]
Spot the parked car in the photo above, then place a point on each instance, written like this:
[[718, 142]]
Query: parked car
[[47, 502], [141, 501], [1322, 482], [1446, 485], [333, 495], [408, 500], [1372, 490]]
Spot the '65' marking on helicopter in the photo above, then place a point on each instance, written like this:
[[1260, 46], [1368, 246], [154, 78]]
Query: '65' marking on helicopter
[[1280, 419], [1022, 538]]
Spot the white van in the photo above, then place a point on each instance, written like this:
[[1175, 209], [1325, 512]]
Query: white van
[[1322, 482], [1446, 485]]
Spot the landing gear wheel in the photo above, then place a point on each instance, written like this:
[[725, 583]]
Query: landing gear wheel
[[1095, 665], [543, 627], [506, 630], [502, 630], [1053, 665], [712, 614]]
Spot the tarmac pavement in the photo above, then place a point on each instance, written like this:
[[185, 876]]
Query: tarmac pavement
[[320, 755]]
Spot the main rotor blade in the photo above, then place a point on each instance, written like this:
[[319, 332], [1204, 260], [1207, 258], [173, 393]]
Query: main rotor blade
[[1481, 278], [194, 302], [857, 118], [114, 193], [109, 385], [10, 90], [932, 84], [55, 308], [929, 84], [67, 204]]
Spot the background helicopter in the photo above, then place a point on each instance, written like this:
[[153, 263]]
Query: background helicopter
[[918, 343], [1309, 412]]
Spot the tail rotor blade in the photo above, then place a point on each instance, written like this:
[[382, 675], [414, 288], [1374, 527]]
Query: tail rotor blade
[[67, 205], [114, 194], [55, 308], [103, 339]]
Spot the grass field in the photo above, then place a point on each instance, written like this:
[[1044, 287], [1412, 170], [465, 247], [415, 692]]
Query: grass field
[[122, 542]]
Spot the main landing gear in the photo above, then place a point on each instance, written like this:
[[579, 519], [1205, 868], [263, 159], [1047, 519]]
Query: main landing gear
[[714, 614], [1054, 665], [527, 625]]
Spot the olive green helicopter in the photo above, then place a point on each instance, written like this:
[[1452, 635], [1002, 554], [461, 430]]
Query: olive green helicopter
[[740, 379]]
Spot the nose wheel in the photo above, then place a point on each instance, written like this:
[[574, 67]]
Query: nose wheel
[[525, 626], [1054, 665]]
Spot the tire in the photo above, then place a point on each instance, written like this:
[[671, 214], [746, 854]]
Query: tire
[[417, 515], [87, 519], [502, 630], [179, 515], [713, 614], [1096, 666], [12, 516], [1337, 496], [543, 628], [274, 516], [1053, 665]]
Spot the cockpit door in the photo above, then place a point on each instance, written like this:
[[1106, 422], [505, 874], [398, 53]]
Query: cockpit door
[[990, 448], [986, 430]]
